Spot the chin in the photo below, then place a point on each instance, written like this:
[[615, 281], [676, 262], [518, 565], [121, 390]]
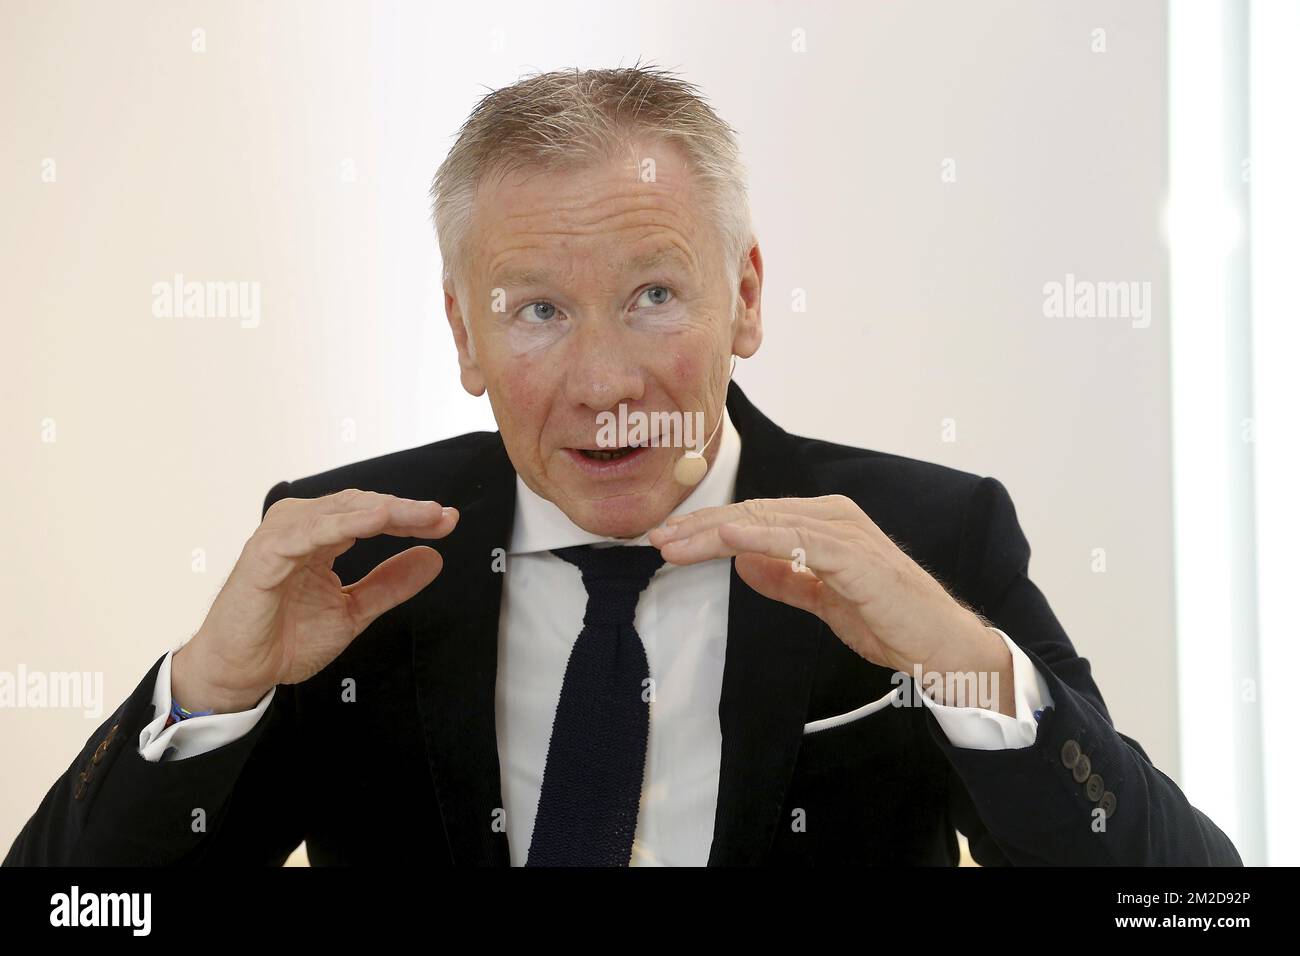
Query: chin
[[625, 516]]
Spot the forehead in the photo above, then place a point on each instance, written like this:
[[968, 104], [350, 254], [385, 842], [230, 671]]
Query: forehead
[[635, 212]]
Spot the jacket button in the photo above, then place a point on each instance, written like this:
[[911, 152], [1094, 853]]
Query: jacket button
[[1070, 754], [1108, 803], [1082, 769], [1096, 787]]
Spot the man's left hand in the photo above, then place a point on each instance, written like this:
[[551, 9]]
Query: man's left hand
[[826, 556]]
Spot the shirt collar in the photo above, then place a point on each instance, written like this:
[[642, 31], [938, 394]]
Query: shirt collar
[[540, 525]]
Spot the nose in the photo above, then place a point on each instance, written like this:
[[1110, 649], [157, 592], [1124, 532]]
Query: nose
[[603, 367]]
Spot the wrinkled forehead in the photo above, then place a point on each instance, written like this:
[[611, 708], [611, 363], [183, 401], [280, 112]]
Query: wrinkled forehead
[[599, 207], [645, 162]]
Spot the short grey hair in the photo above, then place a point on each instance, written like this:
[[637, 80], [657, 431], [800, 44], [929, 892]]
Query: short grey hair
[[569, 118]]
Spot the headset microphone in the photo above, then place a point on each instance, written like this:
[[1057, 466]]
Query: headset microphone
[[691, 467]]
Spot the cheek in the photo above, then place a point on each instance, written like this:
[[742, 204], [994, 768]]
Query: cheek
[[524, 396], [689, 368], [684, 367]]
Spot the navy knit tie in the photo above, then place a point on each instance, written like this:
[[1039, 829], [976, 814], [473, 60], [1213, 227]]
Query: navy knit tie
[[591, 788]]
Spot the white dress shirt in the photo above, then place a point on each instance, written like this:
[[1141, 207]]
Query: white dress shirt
[[682, 621]]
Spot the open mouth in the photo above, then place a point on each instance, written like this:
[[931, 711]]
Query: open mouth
[[612, 454], [607, 461]]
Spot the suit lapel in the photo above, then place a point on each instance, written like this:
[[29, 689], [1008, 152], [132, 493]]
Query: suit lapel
[[768, 672], [454, 633]]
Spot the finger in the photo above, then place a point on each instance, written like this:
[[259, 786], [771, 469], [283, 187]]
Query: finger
[[401, 511], [317, 532], [348, 500], [827, 507], [683, 526], [357, 525], [398, 579], [420, 525], [280, 551], [817, 543]]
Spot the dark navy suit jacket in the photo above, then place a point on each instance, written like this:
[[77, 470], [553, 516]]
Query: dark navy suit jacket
[[409, 770]]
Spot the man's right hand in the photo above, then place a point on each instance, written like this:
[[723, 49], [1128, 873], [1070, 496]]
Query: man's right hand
[[284, 614]]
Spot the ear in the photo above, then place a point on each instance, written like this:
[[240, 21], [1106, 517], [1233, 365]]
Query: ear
[[748, 319], [471, 377]]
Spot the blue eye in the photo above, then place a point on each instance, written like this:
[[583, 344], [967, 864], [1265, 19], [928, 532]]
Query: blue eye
[[536, 317], [665, 292]]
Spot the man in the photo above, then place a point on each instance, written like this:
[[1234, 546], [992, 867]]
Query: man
[[580, 674]]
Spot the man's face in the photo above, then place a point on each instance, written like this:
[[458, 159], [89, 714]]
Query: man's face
[[588, 289]]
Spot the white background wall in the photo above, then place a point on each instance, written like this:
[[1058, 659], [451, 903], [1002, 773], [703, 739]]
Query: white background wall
[[924, 297]]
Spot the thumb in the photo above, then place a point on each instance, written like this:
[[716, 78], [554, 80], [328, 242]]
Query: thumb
[[398, 579], [777, 579]]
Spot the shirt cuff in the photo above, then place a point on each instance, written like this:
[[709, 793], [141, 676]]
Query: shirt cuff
[[974, 728], [194, 735]]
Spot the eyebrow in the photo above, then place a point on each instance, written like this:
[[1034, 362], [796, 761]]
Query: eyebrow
[[639, 263]]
